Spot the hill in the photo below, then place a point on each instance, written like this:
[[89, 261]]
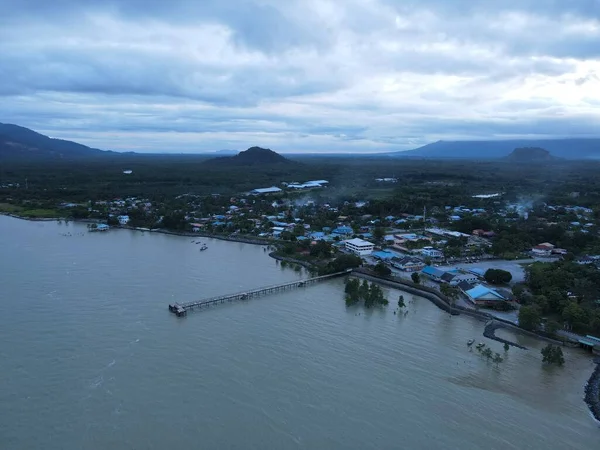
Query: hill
[[254, 156], [22, 143], [530, 154], [563, 148]]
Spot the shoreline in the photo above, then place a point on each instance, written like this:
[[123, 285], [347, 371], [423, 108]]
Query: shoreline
[[592, 392], [242, 239]]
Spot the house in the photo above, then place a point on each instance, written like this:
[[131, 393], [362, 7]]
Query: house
[[359, 247], [269, 190], [102, 227], [541, 251], [383, 255], [433, 272], [408, 264], [343, 231], [482, 295], [455, 279], [431, 252], [123, 220]]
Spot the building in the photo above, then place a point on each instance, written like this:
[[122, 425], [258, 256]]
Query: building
[[384, 255], [343, 231], [123, 220], [408, 264], [431, 252], [359, 247], [455, 279], [541, 251], [482, 295], [433, 272], [269, 190]]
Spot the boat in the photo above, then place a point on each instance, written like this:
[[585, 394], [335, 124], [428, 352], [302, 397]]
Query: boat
[[470, 342], [204, 247]]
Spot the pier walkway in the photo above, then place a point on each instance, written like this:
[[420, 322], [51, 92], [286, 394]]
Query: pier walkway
[[181, 309]]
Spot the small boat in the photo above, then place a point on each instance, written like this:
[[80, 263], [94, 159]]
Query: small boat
[[204, 247], [470, 342]]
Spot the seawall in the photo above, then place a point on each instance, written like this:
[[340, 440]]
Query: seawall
[[592, 392]]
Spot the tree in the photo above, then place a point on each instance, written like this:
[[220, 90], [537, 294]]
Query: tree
[[553, 354], [401, 303], [551, 327], [382, 269], [321, 249], [415, 278], [529, 317], [378, 233], [449, 291], [497, 276]]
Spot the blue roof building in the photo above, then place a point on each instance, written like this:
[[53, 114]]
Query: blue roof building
[[343, 230], [483, 295], [317, 235], [383, 255], [433, 272]]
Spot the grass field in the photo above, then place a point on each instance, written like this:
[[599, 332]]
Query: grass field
[[31, 213], [7, 207]]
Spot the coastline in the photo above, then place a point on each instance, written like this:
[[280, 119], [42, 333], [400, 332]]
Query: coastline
[[242, 239], [592, 392]]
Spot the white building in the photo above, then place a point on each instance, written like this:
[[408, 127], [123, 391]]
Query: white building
[[431, 252], [269, 190], [123, 220], [359, 247]]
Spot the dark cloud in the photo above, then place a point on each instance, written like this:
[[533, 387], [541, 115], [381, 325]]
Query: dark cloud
[[319, 74]]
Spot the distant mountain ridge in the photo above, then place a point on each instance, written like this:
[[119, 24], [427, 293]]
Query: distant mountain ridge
[[252, 156], [531, 154], [18, 142], [575, 148]]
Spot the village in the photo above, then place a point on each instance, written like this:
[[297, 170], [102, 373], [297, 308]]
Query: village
[[476, 253]]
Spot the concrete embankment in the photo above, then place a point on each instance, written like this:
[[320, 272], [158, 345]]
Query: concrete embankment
[[230, 238], [489, 332], [592, 392], [299, 262]]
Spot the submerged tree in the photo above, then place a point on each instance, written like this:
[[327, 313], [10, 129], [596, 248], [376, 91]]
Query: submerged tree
[[553, 354], [401, 303]]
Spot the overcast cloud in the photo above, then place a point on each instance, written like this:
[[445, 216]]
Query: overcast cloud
[[299, 75]]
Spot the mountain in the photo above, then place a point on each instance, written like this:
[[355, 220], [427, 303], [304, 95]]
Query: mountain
[[22, 143], [563, 148], [530, 154], [254, 156]]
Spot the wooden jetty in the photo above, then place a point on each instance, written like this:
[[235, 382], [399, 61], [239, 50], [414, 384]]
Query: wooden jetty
[[181, 309]]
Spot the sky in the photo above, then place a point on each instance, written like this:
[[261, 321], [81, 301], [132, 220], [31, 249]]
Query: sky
[[324, 76]]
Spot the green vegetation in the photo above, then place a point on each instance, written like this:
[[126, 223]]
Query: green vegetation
[[415, 277], [497, 276], [382, 270], [401, 303], [452, 292], [530, 317], [371, 294], [553, 354], [341, 263], [566, 292], [489, 354]]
